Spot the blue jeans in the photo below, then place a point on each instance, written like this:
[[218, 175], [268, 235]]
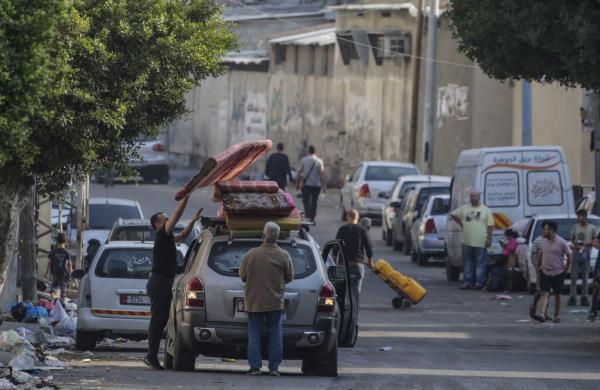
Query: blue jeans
[[475, 267], [275, 328]]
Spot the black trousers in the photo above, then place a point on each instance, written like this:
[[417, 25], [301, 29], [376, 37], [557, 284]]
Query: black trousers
[[310, 196], [159, 291]]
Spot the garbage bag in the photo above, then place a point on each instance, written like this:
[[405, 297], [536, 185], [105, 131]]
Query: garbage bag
[[58, 313], [33, 313], [46, 303], [66, 327], [22, 363], [11, 341], [18, 311]]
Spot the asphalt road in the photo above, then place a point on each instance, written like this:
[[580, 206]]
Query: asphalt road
[[452, 340]]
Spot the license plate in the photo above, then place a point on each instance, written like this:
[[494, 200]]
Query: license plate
[[137, 300]]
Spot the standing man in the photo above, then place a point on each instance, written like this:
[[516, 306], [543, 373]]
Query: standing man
[[477, 223], [160, 282], [59, 265], [357, 244], [266, 270], [278, 167], [311, 180], [582, 237], [552, 269]]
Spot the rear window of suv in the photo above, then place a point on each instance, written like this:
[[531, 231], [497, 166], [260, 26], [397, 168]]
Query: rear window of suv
[[225, 258], [144, 233], [127, 263]]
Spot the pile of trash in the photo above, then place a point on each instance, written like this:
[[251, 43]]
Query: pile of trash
[[61, 316]]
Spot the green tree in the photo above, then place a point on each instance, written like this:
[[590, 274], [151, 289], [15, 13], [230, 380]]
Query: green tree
[[81, 79], [537, 40]]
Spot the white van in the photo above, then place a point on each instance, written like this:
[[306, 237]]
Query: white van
[[515, 182]]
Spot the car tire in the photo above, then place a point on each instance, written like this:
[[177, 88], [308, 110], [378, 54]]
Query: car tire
[[183, 358], [388, 237], [85, 341], [327, 365], [421, 259], [452, 272], [168, 358], [407, 245], [397, 245], [414, 256]]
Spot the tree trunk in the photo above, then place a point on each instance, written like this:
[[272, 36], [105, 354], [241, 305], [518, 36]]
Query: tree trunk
[[10, 207], [27, 245]]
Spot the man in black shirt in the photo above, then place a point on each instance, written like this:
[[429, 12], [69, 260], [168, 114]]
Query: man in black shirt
[[278, 167], [160, 282], [357, 245]]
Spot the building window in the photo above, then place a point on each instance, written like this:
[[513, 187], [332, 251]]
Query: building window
[[347, 48], [395, 45], [391, 45], [386, 14], [311, 59], [296, 57], [325, 71], [377, 42], [280, 54]]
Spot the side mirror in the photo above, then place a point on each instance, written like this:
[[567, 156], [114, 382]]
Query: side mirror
[[336, 273], [78, 274]]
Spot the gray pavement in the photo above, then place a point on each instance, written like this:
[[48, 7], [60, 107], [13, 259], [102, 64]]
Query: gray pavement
[[452, 340]]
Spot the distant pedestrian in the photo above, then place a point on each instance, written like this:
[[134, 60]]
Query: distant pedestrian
[[582, 237], [311, 181], [93, 246], [357, 246], [164, 268], [278, 167], [477, 223], [59, 266], [266, 270], [552, 269]]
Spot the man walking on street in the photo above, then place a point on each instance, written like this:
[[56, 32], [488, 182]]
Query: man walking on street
[[552, 269], [59, 265], [477, 223], [164, 268], [278, 167], [357, 244], [311, 180], [265, 270], [582, 237]]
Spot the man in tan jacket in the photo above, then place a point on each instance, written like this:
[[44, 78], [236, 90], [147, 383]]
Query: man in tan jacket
[[266, 270]]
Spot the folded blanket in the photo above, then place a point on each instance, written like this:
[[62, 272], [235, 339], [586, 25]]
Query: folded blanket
[[264, 205], [225, 187]]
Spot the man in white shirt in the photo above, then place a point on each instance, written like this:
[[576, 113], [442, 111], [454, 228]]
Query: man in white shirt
[[311, 180]]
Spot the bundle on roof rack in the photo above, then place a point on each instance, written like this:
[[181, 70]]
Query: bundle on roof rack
[[236, 186], [264, 205], [239, 222]]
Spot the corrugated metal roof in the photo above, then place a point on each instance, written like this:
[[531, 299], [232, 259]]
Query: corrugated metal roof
[[321, 37]]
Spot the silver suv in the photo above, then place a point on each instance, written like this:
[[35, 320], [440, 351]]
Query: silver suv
[[207, 313]]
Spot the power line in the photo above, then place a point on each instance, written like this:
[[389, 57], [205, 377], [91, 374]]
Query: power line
[[295, 24]]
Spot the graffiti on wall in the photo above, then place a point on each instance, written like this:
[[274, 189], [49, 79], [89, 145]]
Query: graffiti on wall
[[452, 103]]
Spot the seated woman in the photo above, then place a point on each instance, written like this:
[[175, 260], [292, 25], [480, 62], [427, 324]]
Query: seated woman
[[508, 247]]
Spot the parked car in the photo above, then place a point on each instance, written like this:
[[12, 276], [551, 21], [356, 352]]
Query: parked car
[[428, 231], [141, 230], [208, 316], [112, 294], [104, 212], [393, 202], [367, 188], [531, 228], [154, 162], [515, 182], [412, 206]]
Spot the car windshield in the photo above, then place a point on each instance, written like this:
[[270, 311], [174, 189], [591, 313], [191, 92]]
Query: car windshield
[[440, 206], [387, 173], [103, 216], [407, 186], [425, 193], [144, 233], [225, 258], [128, 263], [564, 227]]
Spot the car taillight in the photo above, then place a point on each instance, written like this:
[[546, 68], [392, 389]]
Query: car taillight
[[326, 302], [158, 147], [364, 191], [430, 226], [195, 293]]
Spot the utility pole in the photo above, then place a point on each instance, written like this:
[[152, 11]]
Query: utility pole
[[430, 85], [414, 115]]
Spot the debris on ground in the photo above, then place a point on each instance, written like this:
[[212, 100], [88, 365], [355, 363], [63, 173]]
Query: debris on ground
[[578, 311], [501, 297], [385, 349]]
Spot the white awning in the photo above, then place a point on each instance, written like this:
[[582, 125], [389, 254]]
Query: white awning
[[245, 60], [321, 37], [410, 7]]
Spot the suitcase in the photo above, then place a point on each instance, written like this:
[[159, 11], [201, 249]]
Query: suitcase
[[409, 290]]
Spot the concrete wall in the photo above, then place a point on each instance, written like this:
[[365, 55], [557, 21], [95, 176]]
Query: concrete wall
[[472, 110]]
